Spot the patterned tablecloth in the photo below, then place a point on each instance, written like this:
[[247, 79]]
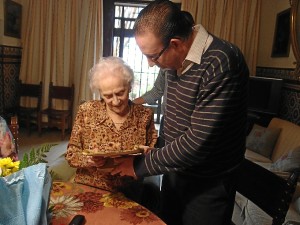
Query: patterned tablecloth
[[98, 206]]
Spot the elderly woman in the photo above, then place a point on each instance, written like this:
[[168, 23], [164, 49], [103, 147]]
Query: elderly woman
[[112, 122]]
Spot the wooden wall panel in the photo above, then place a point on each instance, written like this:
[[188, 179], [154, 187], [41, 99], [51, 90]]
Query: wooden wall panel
[[290, 96], [10, 62]]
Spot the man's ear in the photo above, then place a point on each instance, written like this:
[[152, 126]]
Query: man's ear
[[175, 42]]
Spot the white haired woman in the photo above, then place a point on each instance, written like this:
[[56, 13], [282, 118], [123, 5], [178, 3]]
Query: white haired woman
[[112, 123]]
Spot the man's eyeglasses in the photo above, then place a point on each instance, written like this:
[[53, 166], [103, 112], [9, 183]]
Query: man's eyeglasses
[[155, 58]]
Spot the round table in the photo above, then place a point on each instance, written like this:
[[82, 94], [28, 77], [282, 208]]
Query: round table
[[99, 207]]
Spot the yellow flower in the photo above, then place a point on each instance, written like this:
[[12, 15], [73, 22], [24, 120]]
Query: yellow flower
[[8, 166], [5, 161]]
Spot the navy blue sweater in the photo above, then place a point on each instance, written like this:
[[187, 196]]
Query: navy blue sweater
[[205, 117]]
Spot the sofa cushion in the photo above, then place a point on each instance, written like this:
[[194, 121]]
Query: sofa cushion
[[240, 200], [61, 169], [253, 215], [262, 140], [255, 157], [288, 139], [56, 151], [289, 161], [296, 204]]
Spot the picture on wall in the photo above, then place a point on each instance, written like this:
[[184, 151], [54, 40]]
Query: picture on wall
[[281, 42], [12, 19]]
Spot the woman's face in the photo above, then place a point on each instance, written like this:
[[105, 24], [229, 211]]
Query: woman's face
[[115, 92]]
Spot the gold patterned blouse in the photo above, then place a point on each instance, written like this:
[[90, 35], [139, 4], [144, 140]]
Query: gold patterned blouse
[[93, 128]]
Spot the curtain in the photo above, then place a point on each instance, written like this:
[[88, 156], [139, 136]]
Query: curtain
[[61, 41], [194, 7], [236, 21]]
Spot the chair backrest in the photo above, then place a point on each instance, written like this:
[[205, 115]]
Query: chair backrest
[[14, 129], [62, 93], [288, 139], [31, 91], [271, 193]]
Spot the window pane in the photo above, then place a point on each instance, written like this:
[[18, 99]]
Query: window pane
[[116, 49], [131, 12], [118, 11], [117, 23], [129, 24], [144, 75]]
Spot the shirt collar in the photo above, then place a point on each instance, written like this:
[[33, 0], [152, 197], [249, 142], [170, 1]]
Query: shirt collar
[[200, 44]]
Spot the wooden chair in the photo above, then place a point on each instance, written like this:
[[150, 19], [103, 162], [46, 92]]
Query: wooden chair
[[14, 129], [270, 192], [33, 93], [58, 117]]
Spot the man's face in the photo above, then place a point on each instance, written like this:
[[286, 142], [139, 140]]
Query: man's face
[[164, 57]]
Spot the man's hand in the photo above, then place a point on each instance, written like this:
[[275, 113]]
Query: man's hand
[[124, 166]]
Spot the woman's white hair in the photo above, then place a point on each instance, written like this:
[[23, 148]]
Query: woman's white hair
[[110, 66]]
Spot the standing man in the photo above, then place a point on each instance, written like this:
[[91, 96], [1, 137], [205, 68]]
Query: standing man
[[205, 117], [159, 88]]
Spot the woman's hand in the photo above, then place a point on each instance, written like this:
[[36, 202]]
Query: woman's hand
[[97, 161], [146, 149]]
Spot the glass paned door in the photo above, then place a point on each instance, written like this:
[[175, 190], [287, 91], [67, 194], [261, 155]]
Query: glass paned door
[[124, 46]]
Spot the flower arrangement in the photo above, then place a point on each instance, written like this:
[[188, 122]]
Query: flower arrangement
[[7, 166], [35, 156]]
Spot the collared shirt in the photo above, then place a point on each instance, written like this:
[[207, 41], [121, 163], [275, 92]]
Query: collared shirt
[[200, 44]]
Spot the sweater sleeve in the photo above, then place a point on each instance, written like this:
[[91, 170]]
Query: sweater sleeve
[[157, 91]]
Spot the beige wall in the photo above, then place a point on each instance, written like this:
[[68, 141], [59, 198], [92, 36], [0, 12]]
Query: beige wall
[[270, 8], [6, 40]]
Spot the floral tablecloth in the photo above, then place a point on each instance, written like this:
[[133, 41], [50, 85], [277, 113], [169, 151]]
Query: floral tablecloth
[[98, 206]]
